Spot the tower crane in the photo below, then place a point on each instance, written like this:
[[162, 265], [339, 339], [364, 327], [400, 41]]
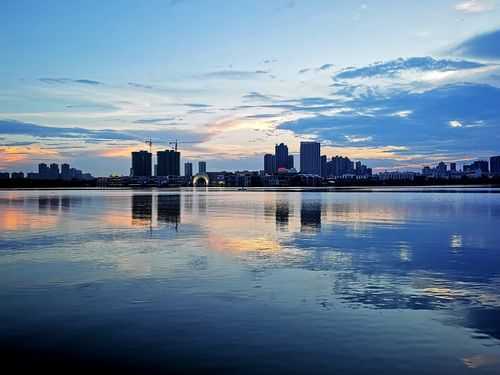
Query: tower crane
[[149, 142], [176, 142]]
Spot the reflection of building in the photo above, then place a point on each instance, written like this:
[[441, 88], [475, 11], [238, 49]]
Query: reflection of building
[[282, 213], [310, 215], [310, 158], [169, 208], [141, 164], [202, 167], [142, 208], [168, 163]]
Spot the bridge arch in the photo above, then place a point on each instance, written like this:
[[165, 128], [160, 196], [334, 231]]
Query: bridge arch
[[199, 177]]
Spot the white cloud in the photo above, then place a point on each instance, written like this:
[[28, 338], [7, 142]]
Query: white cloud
[[455, 124], [356, 139], [475, 6]]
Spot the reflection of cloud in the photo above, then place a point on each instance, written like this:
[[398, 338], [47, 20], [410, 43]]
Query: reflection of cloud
[[456, 241], [18, 220], [481, 360]]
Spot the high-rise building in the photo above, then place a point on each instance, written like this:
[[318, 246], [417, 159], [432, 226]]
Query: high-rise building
[[141, 164], [291, 163], [168, 163], [323, 166], [65, 172], [339, 166], [43, 171], [479, 165], [202, 167], [54, 171], [188, 169], [281, 153], [310, 158], [453, 167], [495, 165], [269, 164]]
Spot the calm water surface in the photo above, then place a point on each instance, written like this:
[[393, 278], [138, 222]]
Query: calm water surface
[[251, 282]]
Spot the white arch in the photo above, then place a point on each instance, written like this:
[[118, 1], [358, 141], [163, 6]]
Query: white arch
[[202, 177]]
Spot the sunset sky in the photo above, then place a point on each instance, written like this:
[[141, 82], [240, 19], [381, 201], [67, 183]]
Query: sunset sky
[[395, 84]]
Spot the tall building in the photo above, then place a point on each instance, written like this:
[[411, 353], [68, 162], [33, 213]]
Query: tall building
[[168, 163], [269, 164], [141, 164], [479, 165], [188, 169], [453, 167], [495, 165], [281, 153], [202, 167], [54, 171], [43, 171], [339, 166], [310, 158], [65, 172], [291, 163], [323, 166]]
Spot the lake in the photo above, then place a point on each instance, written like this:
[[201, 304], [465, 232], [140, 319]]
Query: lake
[[223, 281]]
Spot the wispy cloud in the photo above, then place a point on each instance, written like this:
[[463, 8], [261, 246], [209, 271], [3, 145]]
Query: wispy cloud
[[69, 80], [233, 74], [475, 6]]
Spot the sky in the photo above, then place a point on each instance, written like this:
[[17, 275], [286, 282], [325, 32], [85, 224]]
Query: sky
[[395, 84]]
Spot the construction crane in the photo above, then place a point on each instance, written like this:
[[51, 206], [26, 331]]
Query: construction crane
[[176, 142], [149, 142]]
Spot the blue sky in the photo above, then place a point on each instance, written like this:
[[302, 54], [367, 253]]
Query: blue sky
[[394, 84]]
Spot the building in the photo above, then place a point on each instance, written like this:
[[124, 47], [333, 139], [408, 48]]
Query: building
[[54, 171], [310, 158], [323, 166], [188, 169], [4, 176], [168, 163], [202, 167], [339, 166], [65, 172], [479, 165], [281, 154], [291, 162], [453, 167], [43, 171], [269, 164], [495, 165], [17, 175], [141, 164]]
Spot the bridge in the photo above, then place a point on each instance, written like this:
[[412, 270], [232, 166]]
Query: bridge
[[200, 177]]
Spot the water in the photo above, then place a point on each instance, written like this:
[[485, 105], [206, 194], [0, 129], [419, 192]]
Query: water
[[400, 281]]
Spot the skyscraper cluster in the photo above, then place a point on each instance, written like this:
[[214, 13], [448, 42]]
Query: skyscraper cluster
[[312, 162], [168, 163]]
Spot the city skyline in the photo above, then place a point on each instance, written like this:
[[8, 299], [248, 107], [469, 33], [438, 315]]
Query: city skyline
[[423, 89]]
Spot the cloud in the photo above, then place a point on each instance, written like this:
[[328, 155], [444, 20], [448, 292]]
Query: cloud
[[304, 70], [68, 80], [394, 68], [197, 105], [475, 6], [254, 95], [325, 67], [140, 85], [233, 74], [158, 120], [484, 46], [452, 120]]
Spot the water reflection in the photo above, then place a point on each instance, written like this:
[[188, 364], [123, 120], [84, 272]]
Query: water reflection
[[409, 254], [169, 209]]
